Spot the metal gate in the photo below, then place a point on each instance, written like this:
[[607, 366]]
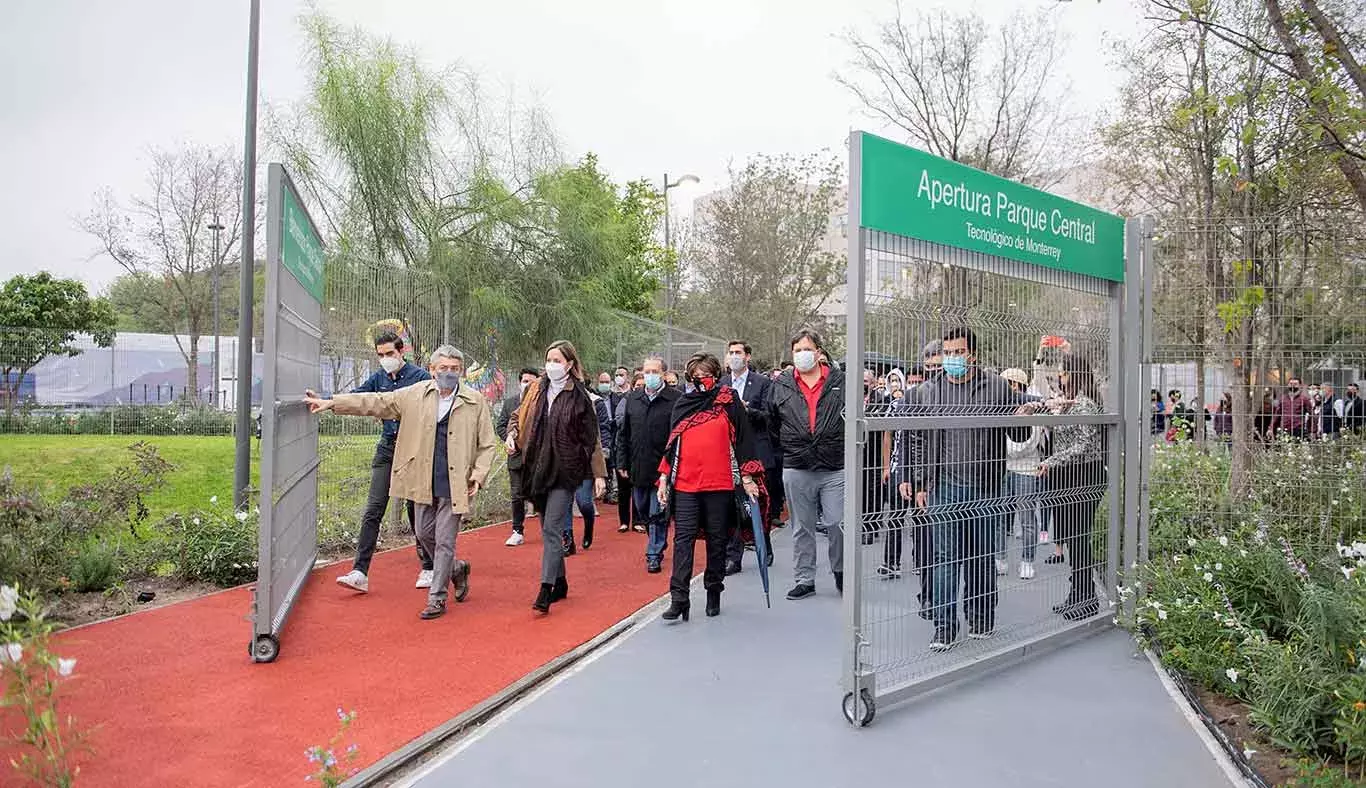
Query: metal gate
[[289, 434], [951, 570]]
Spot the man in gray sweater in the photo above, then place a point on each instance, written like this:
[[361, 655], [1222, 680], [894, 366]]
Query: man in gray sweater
[[955, 480]]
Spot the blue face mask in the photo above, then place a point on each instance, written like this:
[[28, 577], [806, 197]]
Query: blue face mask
[[955, 366], [654, 381]]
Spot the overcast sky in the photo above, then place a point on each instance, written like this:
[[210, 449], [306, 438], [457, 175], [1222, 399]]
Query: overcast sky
[[649, 85]]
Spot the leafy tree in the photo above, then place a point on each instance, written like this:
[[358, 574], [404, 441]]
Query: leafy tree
[[457, 212], [40, 316], [760, 268]]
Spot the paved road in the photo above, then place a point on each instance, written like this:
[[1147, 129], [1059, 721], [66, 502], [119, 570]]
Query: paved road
[[752, 699]]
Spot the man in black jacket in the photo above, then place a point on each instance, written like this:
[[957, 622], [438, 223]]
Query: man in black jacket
[[754, 391], [807, 417], [641, 439], [1353, 410], [510, 406], [955, 476]]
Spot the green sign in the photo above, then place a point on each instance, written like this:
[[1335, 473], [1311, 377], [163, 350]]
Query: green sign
[[911, 193], [301, 250]]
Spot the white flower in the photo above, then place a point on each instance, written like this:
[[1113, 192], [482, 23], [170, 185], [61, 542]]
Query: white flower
[[1190, 541], [1243, 553], [1248, 753], [241, 517], [13, 652], [1209, 578], [65, 666], [9, 602], [1218, 567], [1162, 614], [213, 499], [1223, 541], [195, 521], [1232, 674]]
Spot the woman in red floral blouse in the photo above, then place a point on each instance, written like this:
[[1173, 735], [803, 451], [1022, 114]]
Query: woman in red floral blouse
[[710, 460]]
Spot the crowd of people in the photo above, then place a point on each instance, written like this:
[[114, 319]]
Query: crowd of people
[[695, 453], [1298, 413]]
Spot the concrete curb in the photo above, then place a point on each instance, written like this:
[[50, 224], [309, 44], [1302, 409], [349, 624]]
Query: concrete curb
[[1216, 750]]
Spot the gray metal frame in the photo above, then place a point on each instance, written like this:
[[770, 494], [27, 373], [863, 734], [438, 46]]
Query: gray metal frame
[[860, 680], [288, 539]]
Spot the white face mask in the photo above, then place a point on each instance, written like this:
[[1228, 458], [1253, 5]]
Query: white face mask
[[620, 380], [736, 362], [391, 364], [556, 371], [804, 360]]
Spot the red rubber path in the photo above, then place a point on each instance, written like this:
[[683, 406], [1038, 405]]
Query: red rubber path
[[176, 700]]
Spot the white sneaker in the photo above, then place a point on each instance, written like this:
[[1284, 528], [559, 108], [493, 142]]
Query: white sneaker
[[424, 579], [515, 539], [1001, 566], [355, 580], [1026, 570]]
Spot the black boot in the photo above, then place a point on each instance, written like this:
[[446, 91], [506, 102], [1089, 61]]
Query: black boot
[[544, 598], [713, 602], [569, 548], [560, 590], [839, 582], [676, 611]]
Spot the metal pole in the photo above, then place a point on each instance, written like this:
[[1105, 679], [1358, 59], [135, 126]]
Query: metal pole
[[669, 284], [241, 473], [217, 331]]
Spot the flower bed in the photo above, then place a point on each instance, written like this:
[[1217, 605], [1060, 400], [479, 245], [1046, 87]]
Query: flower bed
[[1263, 602]]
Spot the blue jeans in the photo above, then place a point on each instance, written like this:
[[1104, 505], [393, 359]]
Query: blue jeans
[[1022, 494], [646, 500], [584, 498], [963, 522]]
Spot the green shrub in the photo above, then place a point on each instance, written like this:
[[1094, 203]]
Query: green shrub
[[215, 546], [95, 568], [35, 546]]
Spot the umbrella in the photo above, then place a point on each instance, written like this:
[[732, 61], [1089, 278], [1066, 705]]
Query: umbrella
[[760, 544]]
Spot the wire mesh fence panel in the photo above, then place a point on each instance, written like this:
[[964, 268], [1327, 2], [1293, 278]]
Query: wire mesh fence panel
[[1256, 356], [990, 407]]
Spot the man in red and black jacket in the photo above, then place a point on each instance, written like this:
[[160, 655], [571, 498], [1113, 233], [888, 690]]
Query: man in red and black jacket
[[806, 418]]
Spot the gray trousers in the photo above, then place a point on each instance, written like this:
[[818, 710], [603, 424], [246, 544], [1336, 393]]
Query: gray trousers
[[815, 497], [557, 503], [437, 524]]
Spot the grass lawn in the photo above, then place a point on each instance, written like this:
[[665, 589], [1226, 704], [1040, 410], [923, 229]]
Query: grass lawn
[[203, 466]]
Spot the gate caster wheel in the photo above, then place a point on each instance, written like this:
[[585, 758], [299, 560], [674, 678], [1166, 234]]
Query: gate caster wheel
[[851, 712], [265, 648]]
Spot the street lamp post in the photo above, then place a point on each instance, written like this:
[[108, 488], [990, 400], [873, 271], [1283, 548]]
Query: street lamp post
[[216, 229], [672, 284]]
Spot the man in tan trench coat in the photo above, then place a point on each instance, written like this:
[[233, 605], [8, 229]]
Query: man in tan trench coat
[[444, 450]]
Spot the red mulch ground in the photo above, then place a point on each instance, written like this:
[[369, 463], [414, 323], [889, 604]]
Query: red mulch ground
[[177, 701]]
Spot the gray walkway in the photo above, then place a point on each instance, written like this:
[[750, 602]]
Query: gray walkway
[[752, 699]]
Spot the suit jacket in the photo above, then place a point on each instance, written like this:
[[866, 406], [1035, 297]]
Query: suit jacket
[[757, 396]]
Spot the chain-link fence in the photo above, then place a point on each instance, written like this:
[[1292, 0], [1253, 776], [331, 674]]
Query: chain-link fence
[[1256, 354]]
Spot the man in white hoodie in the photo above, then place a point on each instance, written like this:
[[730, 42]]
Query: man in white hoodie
[[1022, 491]]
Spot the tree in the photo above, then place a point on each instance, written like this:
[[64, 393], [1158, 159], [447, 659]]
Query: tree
[[1255, 270], [163, 239], [1311, 49], [989, 96], [761, 267], [40, 316], [420, 172]]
